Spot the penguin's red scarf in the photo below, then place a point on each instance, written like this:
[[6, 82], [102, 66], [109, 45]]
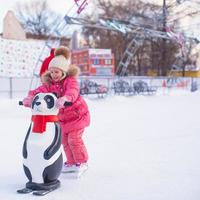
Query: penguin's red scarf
[[39, 122]]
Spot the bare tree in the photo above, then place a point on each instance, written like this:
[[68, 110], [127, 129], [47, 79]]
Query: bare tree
[[36, 17], [141, 14]]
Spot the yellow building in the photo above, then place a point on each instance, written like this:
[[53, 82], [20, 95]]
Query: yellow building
[[189, 72]]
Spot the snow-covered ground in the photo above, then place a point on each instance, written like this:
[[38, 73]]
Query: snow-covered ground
[[141, 148]]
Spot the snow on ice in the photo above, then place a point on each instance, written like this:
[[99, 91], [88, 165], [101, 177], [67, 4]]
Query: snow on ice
[[140, 147]]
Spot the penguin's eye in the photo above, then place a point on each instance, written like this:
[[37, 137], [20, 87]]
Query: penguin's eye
[[34, 101], [49, 100]]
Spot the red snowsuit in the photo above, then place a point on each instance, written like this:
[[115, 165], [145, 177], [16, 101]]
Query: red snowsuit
[[73, 119]]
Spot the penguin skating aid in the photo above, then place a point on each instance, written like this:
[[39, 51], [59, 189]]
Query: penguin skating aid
[[42, 155]]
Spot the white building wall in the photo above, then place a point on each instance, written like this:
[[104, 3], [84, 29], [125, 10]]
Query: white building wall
[[18, 58]]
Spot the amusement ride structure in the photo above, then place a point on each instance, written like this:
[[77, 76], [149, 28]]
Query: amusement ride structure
[[139, 32]]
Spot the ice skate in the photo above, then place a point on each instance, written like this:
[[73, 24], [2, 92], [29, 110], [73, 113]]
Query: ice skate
[[74, 171]]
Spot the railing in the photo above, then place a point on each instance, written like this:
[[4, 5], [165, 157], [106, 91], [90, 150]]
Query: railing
[[103, 86]]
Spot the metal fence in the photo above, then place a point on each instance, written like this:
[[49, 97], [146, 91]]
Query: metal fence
[[101, 86]]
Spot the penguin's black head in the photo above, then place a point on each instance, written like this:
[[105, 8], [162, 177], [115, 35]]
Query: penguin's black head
[[44, 104]]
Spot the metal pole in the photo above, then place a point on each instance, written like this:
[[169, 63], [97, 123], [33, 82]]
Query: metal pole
[[164, 14], [11, 88], [164, 70]]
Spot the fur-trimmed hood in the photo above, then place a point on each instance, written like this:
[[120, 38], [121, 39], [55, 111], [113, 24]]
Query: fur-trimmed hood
[[73, 71]]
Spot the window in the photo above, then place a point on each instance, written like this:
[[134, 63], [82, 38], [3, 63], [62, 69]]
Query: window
[[96, 61], [85, 58], [108, 62]]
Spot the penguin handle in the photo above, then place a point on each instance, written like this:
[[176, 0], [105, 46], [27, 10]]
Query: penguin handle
[[21, 103], [67, 103]]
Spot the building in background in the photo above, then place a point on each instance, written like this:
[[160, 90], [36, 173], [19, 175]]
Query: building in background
[[184, 20], [12, 29], [77, 41], [97, 62]]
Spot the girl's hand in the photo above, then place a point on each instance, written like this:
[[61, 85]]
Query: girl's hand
[[27, 101], [61, 101]]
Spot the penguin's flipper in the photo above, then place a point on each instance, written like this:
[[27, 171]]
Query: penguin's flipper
[[24, 151]]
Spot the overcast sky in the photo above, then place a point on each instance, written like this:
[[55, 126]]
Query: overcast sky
[[61, 7]]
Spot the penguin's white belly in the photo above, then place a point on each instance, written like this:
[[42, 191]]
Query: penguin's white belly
[[37, 144]]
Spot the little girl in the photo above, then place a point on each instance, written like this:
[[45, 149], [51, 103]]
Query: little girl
[[61, 78]]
